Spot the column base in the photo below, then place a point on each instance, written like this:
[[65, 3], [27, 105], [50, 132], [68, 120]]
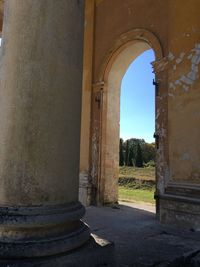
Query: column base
[[95, 253], [29, 232]]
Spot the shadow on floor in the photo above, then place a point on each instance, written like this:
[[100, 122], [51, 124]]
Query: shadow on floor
[[140, 240]]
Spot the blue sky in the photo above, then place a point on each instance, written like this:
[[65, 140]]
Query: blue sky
[[137, 102]]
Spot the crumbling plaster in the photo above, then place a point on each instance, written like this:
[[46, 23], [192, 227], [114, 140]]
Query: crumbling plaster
[[184, 82], [177, 73]]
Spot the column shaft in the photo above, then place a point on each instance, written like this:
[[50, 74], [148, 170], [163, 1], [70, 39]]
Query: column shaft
[[40, 106]]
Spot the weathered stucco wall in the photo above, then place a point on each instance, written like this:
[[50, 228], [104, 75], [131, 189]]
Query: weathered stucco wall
[[184, 93], [116, 17], [109, 31], [176, 27]]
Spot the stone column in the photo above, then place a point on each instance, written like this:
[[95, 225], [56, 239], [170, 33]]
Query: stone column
[[40, 106]]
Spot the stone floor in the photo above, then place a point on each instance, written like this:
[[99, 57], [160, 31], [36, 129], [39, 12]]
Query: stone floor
[[140, 240]]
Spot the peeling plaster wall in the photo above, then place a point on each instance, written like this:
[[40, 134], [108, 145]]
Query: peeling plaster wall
[[126, 15], [176, 25], [184, 93]]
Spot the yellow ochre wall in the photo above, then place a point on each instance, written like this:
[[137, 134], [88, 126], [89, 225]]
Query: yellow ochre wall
[[176, 25]]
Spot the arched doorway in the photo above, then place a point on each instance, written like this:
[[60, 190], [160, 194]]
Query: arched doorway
[[106, 112], [137, 127]]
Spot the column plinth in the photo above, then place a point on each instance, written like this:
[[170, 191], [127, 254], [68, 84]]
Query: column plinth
[[40, 231]]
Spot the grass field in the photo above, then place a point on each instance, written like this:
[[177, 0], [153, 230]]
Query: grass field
[[132, 195], [137, 173], [137, 184]]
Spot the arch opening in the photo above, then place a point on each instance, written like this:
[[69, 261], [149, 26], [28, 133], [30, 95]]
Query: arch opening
[[104, 157], [137, 127], [111, 118]]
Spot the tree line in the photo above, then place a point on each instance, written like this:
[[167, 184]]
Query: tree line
[[136, 152]]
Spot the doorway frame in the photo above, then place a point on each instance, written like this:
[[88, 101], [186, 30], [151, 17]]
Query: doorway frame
[[99, 114]]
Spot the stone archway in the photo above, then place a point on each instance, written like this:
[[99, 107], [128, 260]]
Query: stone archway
[[106, 111]]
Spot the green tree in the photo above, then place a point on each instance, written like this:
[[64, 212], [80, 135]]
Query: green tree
[[127, 153], [121, 152], [148, 152], [131, 157], [133, 143], [139, 158]]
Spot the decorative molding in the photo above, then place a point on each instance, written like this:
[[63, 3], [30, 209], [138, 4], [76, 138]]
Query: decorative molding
[[125, 40], [183, 190]]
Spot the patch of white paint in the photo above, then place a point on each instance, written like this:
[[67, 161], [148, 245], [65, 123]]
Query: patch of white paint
[[180, 58], [197, 46], [195, 59], [171, 95], [171, 56], [162, 132], [172, 86], [186, 80], [178, 82], [158, 114], [186, 88], [182, 55]]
